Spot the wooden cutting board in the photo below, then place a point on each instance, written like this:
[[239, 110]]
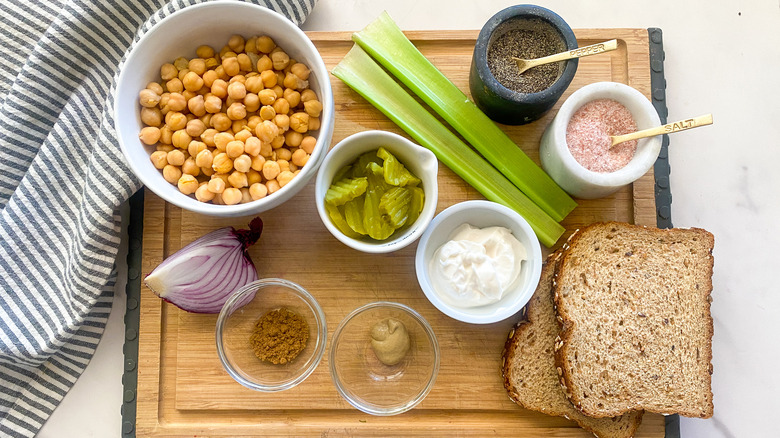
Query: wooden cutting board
[[182, 388]]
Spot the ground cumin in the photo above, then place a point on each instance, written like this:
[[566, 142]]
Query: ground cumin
[[279, 336]]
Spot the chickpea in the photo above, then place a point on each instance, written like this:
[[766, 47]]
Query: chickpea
[[278, 141], [250, 46], [308, 94], [282, 121], [252, 102], [293, 138], [257, 163], [176, 157], [253, 176], [258, 191], [313, 108], [242, 135], [314, 123], [204, 51], [219, 88], [171, 173], [234, 149], [265, 44], [236, 90], [300, 157], [209, 77], [166, 135], [236, 111], [151, 116], [238, 125], [220, 71], [284, 178], [206, 171], [216, 185], [242, 163], [198, 66], [149, 135], [299, 122], [236, 43], [164, 148], [175, 120], [174, 85], [159, 159], [231, 66], [252, 146], [196, 147], [188, 94], [283, 154], [293, 97], [192, 81], [254, 84], [148, 98], [155, 87], [280, 60], [284, 165], [217, 199], [267, 112], [264, 64], [307, 144], [222, 139], [269, 78], [206, 119], [271, 169], [190, 168], [204, 158], [222, 163], [181, 139], [208, 136], [231, 196], [221, 122], [237, 179], [272, 186], [195, 127], [181, 62], [197, 106], [298, 69], [292, 81], [187, 184], [212, 63], [266, 149], [212, 104], [168, 71], [183, 73], [244, 62], [203, 194], [267, 96], [252, 122], [176, 102], [266, 131], [279, 80], [281, 106], [245, 195]]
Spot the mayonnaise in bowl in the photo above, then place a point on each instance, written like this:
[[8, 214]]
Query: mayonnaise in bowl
[[476, 266]]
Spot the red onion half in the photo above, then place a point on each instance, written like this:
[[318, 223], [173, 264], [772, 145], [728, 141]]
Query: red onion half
[[201, 276]]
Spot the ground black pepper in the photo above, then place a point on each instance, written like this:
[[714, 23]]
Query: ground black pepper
[[527, 39]]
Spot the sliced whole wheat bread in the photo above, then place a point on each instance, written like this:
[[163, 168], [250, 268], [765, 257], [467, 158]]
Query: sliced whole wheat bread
[[636, 332], [529, 366]]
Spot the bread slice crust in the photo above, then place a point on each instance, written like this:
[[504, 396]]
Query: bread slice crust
[[636, 329], [529, 366]]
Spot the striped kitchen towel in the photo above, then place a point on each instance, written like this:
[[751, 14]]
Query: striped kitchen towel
[[62, 181]]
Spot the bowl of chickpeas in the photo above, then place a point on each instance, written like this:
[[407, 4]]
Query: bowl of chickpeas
[[228, 119]]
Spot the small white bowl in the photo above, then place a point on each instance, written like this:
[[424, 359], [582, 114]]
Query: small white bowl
[[480, 214], [179, 35], [580, 182], [420, 161]]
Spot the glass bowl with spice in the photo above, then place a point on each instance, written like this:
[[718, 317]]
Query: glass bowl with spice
[[384, 358], [496, 84], [576, 150], [271, 335]]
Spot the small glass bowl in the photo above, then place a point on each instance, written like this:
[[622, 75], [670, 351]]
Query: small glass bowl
[[236, 322], [368, 384]]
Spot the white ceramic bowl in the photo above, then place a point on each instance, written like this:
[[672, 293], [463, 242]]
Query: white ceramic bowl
[[580, 182], [179, 35], [420, 161], [480, 214]]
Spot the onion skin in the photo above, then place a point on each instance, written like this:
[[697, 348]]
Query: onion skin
[[200, 277]]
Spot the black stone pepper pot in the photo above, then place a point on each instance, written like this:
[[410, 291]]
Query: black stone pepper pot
[[500, 103]]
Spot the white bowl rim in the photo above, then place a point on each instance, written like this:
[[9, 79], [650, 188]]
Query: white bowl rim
[[307, 172], [431, 337], [321, 324], [463, 314], [410, 235]]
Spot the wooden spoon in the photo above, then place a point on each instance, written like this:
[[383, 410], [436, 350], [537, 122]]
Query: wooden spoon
[[593, 49], [668, 128]]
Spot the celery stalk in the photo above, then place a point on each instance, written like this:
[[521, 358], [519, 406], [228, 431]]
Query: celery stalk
[[368, 79], [385, 42]]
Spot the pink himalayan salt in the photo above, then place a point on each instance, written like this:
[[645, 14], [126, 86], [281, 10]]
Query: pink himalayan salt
[[587, 135]]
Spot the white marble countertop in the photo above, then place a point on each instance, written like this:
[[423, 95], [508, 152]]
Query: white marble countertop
[[721, 57]]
